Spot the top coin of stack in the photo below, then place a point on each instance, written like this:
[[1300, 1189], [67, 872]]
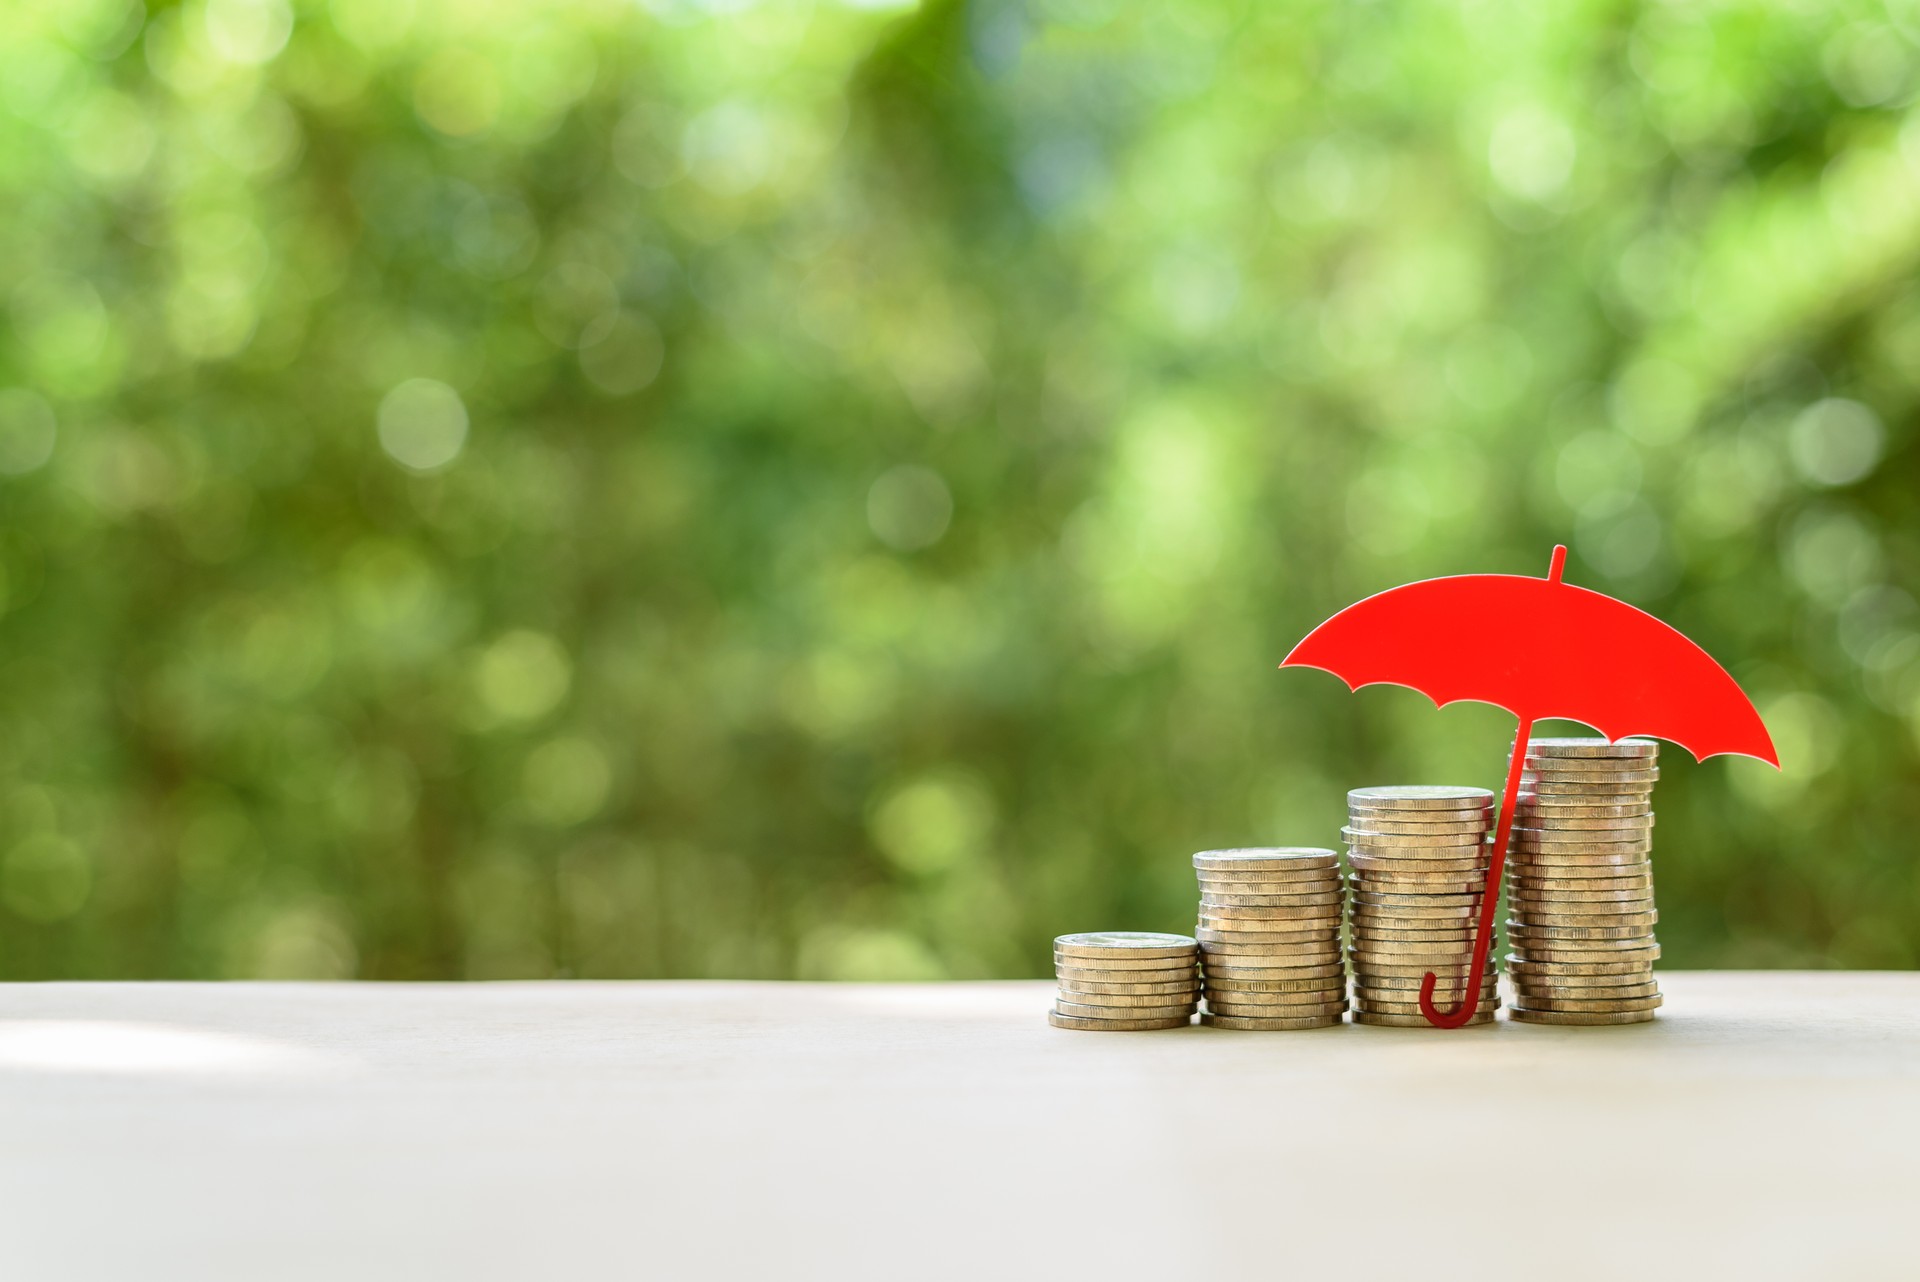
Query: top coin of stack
[[1419, 857], [1270, 937], [1580, 884], [1124, 981]]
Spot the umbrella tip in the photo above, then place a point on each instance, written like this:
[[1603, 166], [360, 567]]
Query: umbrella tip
[[1559, 563]]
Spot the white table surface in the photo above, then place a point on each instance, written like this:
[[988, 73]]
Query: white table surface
[[1764, 1127]]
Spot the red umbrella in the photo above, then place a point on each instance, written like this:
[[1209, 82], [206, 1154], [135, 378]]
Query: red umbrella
[[1555, 650]]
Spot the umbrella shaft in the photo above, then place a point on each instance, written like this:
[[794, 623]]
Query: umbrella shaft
[[1489, 901]]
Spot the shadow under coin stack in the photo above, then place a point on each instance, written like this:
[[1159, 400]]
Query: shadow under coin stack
[[1124, 981], [1270, 937], [1419, 858], [1580, 884]]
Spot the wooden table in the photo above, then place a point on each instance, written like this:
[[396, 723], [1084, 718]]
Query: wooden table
[[1764, 1127]]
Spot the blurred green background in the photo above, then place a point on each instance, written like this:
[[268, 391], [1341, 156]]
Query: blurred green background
[[516, 489]]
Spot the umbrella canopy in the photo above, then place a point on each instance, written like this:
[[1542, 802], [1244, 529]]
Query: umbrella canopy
[[1555, 651]]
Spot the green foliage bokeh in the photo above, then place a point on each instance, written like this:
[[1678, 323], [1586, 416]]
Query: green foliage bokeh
[[780, 489]]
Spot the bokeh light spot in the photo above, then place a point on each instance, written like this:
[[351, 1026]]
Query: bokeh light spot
[[457, 91], [27, 431], [45, 878], [423, 424], [523, 676], [909, 507], [1836, 442], [565, 781], [935, 822], [248, 31]]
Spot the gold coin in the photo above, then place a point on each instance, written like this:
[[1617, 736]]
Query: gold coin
[[1405, 828], [1420, 796], [1581, 922], [1370, 871], [1363, 840], [1095, 987], [1228, 949], [1272, 858], [1417, 877], [1246, 1025], [1387, 939], [1330, 892], [1412, 983], [1220, 999], [1291, 881], [1387, 949], [1245, 901], [1565, 869], [1520, 1016], [1554, 885], [1074, 995], [1551, 840], [1589, 765], [1300, 908], [1580, 868], [1571, 951], [1265, 973], [1413, 1008], [1215, 939], [1102, 944], [1524, 994], [1430, 905], [1560, 957], [1058, 1020], [1287, 955], [1556, 1004], [1416, 1021], [1331, 884], [1366, 863], [1239, 1010], [1547, 839], [1109, 1006], [1452, 972], [1591, 939], [1576, 854], [1417, 880], [1527, 966], [1551, 807], [1083, 975], [1308, 918], [1532, 777], [1619, 792], [1128, 963], [1454, 959], [1607, 903], [1435, 814], [1166, 1010], [1590, 746], [1320, 984]]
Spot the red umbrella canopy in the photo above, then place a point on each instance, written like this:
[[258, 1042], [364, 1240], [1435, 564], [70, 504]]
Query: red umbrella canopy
[[1541, 649]]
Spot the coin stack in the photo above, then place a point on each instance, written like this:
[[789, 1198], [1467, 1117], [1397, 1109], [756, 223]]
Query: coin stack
[[1580, 884], [1270, 937], [1419, 858], [1124, 981]]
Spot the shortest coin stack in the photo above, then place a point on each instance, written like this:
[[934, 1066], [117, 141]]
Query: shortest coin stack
[[1125, 981], [1270, 937]]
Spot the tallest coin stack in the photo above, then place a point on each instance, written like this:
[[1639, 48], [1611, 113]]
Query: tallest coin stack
[[1580, 884]]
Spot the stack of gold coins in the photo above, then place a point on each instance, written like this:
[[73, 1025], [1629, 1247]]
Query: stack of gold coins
[[1270, 937], [1419, 858], [1124, 981], [1580, 884]]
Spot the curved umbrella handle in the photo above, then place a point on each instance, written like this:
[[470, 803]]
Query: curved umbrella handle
[[1469, 1002]]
